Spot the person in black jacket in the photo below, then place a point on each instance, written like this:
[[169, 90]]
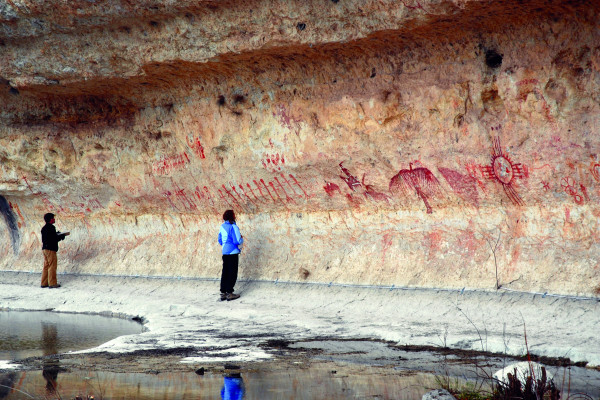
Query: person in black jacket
[[50, 239]]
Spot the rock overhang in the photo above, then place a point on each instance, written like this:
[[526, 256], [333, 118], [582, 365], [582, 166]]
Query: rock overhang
[[396, 140]]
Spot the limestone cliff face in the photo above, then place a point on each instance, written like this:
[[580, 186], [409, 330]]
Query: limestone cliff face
[[445, 143]]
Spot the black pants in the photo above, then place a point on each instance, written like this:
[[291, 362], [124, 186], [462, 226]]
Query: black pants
[[230, 272]]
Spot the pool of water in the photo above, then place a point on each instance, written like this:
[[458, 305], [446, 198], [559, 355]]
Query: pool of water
[[449, 366], [320, 369], [314, 381], [37, 333], [317, 379]]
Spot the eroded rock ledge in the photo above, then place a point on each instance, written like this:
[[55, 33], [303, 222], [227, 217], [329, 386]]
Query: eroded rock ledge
[[427, 143]]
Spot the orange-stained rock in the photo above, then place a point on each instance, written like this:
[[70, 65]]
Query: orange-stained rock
[[442, 143]]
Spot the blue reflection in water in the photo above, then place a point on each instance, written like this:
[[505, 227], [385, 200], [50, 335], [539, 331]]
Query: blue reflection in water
[[233, 387]]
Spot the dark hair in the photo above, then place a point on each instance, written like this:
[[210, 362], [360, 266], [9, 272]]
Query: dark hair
[[229, 215], [48, 217]]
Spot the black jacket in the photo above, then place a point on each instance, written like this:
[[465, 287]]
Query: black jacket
[[50, 237]]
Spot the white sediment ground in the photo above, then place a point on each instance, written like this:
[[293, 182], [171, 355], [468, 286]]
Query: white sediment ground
[[182, 313]]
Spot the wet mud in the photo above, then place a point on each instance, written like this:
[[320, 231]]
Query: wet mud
[[355, 361]]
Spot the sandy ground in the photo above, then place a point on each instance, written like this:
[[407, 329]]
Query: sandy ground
[[183, 314]]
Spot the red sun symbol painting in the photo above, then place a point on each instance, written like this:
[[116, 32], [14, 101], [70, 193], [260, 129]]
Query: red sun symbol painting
[[504, 171]]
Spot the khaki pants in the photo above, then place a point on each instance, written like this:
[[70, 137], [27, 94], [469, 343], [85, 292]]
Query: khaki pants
[[49, 272]]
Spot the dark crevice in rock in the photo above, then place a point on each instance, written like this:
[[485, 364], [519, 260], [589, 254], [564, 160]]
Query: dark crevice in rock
[[11, 222]]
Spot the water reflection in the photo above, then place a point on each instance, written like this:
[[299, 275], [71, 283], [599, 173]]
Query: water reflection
[[233, 387], [7, 382], [316, 381], [37, 333], [51, 367]]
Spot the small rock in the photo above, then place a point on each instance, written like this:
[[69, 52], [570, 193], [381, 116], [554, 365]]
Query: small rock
[[523, 371], [438, 394]]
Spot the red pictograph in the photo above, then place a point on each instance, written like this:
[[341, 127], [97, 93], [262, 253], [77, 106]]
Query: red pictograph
[[166, 165], [370, 192], [246, 195], [15, 207], [330, 188], [350, 179], [286, 119], [195, 145], [569, 186], [416, 5], [465, 186], [546, 185], [528, 82], [504, 171], [584, 191], [273, 162], [82, 204], [188, 203], [299, 186], [204, 195], [354, 184], [420, 180], [595, 170], [86, 206], [28, 185]]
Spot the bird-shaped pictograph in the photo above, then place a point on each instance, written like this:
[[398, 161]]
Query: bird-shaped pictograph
[[420, 180], [504, 171]]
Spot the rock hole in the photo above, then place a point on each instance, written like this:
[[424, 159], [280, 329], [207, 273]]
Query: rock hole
[[303, 272], [301, 26], [221, 100], [493, 59], [373, 73]]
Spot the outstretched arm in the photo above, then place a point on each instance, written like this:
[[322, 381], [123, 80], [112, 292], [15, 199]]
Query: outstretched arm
[[61, 235]]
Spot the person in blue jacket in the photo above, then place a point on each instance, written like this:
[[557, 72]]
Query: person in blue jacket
[[231, 239]]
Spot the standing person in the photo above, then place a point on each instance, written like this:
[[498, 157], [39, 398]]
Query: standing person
[[50, 239], [231, 239]]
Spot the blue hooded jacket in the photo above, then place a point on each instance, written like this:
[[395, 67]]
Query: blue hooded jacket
[[230, 238]]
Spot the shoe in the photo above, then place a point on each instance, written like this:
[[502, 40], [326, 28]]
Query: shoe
[[232, 296], [54, 286], [43, 286], [223, 296]]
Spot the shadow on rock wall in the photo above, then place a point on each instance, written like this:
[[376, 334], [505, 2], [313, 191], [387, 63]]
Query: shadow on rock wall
[[253, 256], [11, 223]]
